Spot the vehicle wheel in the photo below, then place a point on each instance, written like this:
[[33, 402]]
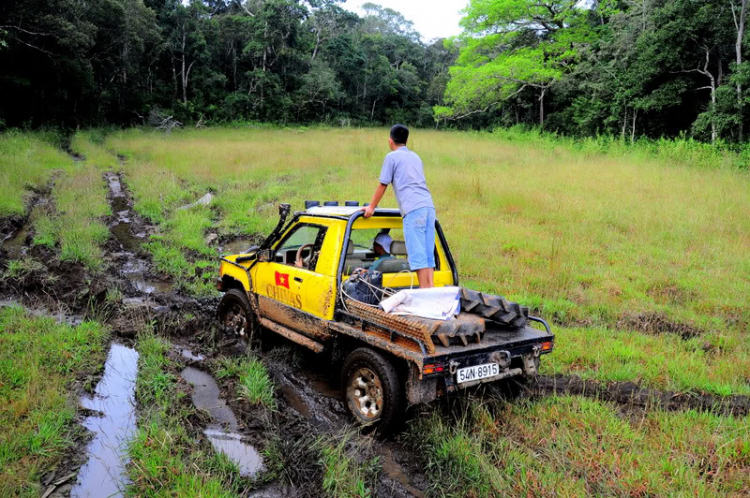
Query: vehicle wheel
[[372, 389], [236, 319]]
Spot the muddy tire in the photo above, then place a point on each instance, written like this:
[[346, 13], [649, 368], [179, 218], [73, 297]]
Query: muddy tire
[[236, 320], [372, 389], [495, 308]]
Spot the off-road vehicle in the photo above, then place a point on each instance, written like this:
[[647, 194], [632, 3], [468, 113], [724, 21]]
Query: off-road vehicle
[[295, 284]]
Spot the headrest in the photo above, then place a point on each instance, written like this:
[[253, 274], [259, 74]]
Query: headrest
[[398, 248], [350, 248]]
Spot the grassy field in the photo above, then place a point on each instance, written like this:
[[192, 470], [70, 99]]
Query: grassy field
[[608, 244], [638, 255]]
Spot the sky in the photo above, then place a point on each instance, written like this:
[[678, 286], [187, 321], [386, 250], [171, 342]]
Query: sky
[[431, 18]]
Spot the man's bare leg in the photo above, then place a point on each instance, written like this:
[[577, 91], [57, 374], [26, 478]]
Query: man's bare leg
[[425, 276]]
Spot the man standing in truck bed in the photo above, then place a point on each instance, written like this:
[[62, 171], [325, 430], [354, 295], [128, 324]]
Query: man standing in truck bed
[[403, 168]]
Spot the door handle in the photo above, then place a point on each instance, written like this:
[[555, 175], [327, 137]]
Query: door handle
[[297, 279]]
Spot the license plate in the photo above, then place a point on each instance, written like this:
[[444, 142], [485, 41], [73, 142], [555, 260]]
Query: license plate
[[477, 372]]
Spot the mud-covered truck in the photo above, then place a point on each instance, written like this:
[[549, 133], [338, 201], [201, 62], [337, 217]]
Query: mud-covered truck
[[308, 282]]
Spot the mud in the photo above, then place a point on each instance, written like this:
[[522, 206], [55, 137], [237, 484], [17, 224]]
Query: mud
[[130, 232], [634, 397], [309, 402], [239, 245], [113, 425], [657, 323], [206, 396], [16, 243]]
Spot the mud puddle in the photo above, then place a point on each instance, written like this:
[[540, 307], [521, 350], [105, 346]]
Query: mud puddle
[[238, 246], [113, 425], [207, 396], [61, 315], [310, 393], [15, 244], [398, 474], [189, 355], [130, 237]]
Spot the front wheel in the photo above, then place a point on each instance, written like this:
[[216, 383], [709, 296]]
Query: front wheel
[[372, 388], [236, 319]]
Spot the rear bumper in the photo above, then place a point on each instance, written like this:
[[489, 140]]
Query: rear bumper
[[516, 356]]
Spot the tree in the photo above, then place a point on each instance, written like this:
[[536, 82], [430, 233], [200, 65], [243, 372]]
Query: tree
[[739, 15], [509, 46]]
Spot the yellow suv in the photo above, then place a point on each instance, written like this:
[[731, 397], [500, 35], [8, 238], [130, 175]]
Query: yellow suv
[[295, 285]]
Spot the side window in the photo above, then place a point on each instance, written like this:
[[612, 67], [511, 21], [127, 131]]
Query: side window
[[304, 241]]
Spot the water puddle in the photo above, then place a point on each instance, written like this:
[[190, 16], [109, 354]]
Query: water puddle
[[206, 396], [131, 267], [60, 315], [239, 246], [296, 401], [189, 355], [15, 244], [114, 399]]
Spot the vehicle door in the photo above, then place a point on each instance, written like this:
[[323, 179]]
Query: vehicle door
[[294, 296]]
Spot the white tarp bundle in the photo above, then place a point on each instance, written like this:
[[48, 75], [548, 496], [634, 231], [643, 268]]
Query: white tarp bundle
[[438, 303]]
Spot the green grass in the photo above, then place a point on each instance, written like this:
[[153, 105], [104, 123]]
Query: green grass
[[714, 363], [166, 460], [345, 475], [253, 382], [39, 361], [573, 446], [27, 162], [80, 199], [592, 234], [88, 144]]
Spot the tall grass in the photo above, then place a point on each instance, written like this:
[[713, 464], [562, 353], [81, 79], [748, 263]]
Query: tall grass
[[88, 144], [27, 161], [590, 232]]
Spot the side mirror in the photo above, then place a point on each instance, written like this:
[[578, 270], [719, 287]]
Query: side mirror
[[265, 255]]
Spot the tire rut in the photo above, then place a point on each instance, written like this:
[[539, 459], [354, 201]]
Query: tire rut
[[632, 396]]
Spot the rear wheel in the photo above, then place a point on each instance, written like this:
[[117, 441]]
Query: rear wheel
[[236, 319], [372, 388]]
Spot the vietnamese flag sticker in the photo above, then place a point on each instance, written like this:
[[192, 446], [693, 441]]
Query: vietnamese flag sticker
[[282, 279]]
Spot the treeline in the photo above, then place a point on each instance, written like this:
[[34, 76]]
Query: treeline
[[627, 68], [621, 68], [128, 62]]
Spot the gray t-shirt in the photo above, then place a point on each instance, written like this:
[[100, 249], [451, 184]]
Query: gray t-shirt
[[403, 168]]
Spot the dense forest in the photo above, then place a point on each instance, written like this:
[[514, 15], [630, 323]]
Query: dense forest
[[628, 68]]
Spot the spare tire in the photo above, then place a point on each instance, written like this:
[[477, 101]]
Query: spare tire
[[495, 308]]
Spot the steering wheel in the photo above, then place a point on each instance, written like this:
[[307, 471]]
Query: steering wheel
[[298, 261]]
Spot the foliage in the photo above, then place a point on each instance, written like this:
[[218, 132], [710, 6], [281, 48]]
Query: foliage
[[118, 61], [647, 68]]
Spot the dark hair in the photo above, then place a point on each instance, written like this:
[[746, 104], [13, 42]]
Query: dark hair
[[399, 133]]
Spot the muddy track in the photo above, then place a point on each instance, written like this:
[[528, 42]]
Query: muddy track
[[634, 397], [15, 231]]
